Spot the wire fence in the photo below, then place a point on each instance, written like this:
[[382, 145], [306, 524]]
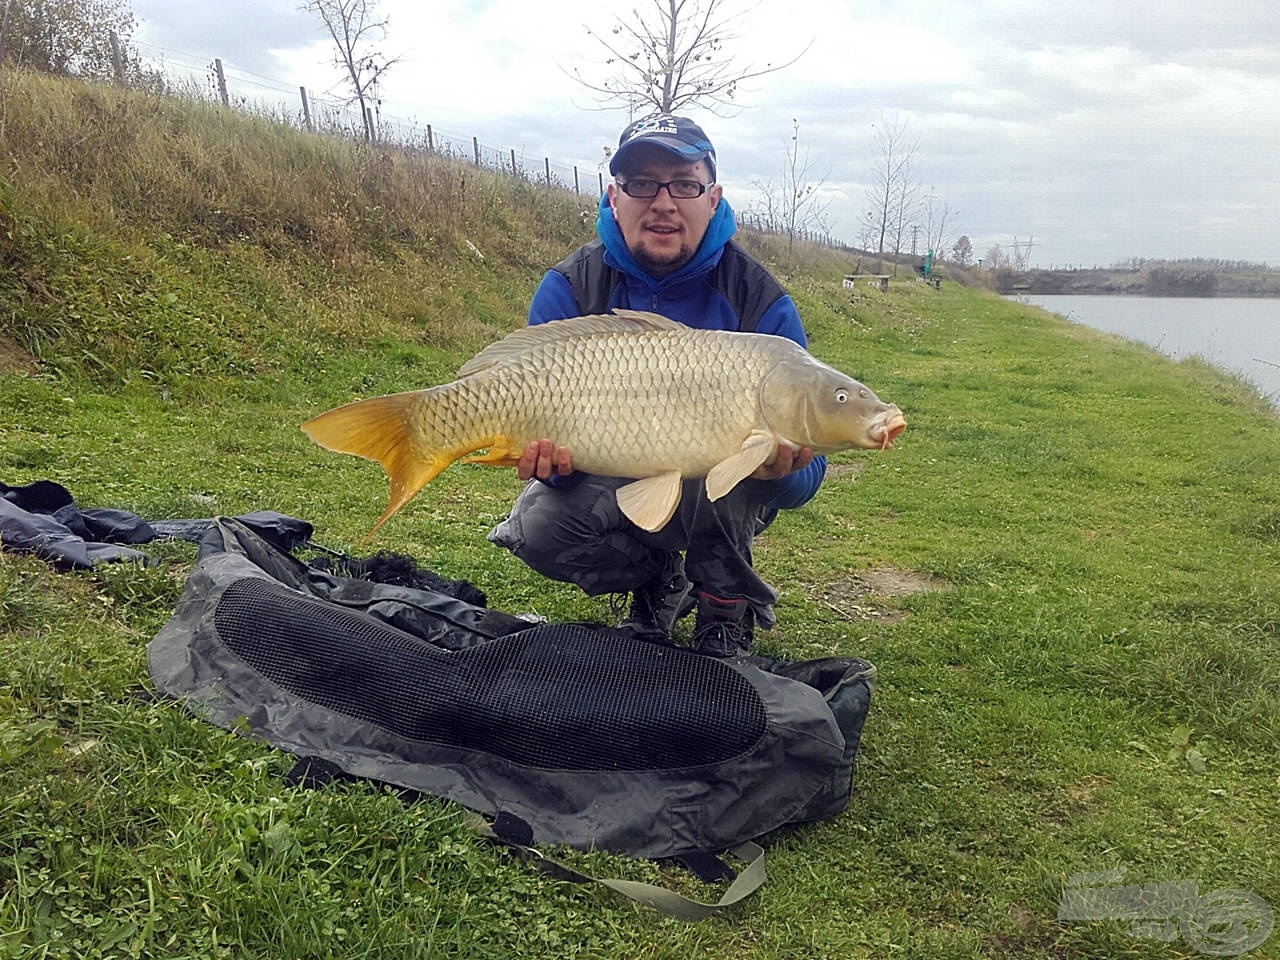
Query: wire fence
[[235, 87], [217, 80]]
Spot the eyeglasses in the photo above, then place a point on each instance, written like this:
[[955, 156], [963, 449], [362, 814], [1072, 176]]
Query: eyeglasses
[[676, 189]]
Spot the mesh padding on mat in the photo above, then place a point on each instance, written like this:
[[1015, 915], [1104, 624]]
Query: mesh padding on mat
[[560, 697]]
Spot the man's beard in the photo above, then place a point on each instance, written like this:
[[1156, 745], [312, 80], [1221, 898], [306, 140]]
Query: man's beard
[[660, 266]]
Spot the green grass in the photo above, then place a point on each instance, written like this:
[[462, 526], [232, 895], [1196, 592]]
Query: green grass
[[1095, 687]]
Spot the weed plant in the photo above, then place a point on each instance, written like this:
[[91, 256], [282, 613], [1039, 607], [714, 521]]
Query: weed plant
[[1093, 687]]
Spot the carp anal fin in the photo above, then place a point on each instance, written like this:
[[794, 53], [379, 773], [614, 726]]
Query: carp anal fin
[[724, 476], [378, 429], [501, 453], [649, 503]]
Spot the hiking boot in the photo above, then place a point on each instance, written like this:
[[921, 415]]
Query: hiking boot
[[725, 626], [661, 600]]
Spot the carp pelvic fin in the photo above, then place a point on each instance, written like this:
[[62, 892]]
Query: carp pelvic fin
[[378, 429], [649, 503], [724, 476]]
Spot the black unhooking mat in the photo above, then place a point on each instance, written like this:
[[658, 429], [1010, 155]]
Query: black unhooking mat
[[589, 736]]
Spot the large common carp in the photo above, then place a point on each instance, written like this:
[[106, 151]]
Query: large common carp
[[631, 395]]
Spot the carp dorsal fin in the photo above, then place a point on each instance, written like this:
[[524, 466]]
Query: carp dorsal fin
[[649, 503], [517, 342], [724, 476]]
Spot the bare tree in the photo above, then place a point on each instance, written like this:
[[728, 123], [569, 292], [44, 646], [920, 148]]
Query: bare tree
[[672, 57], [794, 206], [867, 231], [997, 259], [962, 251], [803, 205], [904, 201], [766, 211], [354, 25], [893, 185], [937, 214]]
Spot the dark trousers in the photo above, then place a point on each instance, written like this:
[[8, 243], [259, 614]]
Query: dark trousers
[[578, 535]]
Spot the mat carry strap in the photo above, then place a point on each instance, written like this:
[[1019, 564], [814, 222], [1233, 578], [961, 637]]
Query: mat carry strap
[[747, 882]]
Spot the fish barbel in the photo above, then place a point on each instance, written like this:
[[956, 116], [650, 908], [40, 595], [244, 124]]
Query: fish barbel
[[631, 395]]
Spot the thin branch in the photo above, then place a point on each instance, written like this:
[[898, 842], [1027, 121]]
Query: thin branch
[[671, 58]]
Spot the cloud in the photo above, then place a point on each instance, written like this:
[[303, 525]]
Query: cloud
[[238, 30], [1106, 129]]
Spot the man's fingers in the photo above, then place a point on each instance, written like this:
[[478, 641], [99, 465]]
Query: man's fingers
[[564, 461], [527, 468], [785, 462], [542, 458]]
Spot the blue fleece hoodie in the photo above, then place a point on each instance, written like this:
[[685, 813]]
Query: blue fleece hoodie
[[687, 297]]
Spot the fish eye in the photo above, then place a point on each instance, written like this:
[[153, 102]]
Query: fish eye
[[842, 395]]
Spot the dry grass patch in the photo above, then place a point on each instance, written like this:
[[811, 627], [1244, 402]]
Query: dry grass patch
[[860, 596], [15, 360]]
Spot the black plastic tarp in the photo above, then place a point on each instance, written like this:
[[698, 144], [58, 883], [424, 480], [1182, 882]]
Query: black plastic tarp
[[43, 518]]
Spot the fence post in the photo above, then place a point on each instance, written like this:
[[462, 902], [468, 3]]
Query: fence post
[[306, 109], [601, 176], [575, 179], [222, 81], [546, 164], [515, 171], [475, 145], [431, 143], [117, 60]]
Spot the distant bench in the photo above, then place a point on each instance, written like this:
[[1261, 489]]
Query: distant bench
[[881, 278]]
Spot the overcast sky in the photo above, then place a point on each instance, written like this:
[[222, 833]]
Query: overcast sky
[[1099, 129]]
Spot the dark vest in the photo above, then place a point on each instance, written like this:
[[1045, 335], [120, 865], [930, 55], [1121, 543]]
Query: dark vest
[[740, 278]]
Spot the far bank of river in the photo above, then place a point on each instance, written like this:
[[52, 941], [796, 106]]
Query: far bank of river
[[1239, 334]]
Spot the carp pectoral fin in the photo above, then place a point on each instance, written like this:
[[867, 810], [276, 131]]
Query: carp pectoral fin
[[724, 476], [501, 453], [378, 429], [649, 503]]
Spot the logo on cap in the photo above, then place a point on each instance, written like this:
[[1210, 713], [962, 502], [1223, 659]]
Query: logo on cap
[[650, 126]]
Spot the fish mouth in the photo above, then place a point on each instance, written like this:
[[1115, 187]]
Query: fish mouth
[[887, 428]]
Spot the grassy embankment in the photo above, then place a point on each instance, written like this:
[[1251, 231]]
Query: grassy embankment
[[1095, 686]]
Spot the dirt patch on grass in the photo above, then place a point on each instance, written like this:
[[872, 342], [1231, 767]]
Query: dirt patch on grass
[[889, 582], [861, 596], [13, 359], [849, 469]]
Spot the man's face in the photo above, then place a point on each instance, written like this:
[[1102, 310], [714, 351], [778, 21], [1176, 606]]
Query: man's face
[[662, 233]]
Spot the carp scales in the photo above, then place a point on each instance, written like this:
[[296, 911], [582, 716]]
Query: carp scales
[[630, 394]]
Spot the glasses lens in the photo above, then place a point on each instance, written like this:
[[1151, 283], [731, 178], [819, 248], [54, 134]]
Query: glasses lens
[[686, 189], [641, 189]]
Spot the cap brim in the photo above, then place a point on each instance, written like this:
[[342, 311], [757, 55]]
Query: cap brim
[[677, 148]]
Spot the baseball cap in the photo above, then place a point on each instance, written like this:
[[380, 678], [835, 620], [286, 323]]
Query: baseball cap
[[677, 135]]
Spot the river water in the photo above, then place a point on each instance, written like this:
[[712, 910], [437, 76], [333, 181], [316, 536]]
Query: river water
[[1236, 333]]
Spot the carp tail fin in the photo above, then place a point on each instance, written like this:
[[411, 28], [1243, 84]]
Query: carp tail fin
[[379, 429]]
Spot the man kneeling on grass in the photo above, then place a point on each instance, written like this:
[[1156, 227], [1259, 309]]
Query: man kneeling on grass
[[664, 246]]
